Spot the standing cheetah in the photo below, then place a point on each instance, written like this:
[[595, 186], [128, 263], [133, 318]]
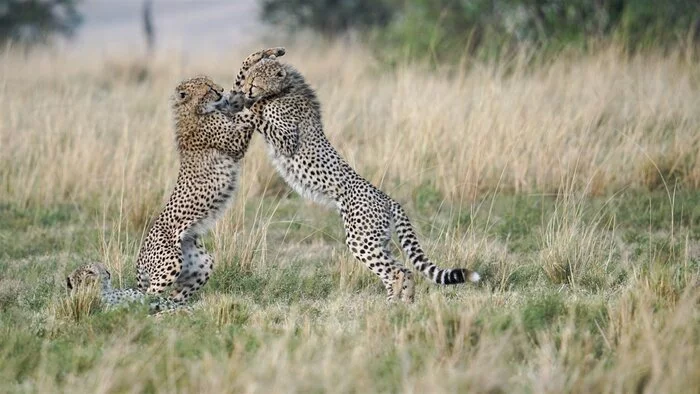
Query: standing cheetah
[[288, 115], [210, 143]]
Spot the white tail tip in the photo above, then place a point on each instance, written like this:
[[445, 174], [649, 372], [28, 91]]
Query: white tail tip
[[474, 277]]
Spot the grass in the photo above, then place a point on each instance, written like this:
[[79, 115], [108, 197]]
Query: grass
[[573, 189]]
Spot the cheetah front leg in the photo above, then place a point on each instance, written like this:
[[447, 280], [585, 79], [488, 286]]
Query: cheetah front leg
[[285, 140], [239, 130], [280, 132], [251, 60]]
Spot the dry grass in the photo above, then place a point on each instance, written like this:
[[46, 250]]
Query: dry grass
[[90, 131], [79, 304], [577, 251], [501, 167]]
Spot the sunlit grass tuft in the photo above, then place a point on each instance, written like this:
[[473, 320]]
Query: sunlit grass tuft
[[80, 303], [578, 252]]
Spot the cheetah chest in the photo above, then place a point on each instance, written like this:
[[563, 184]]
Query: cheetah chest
[[302, 178]]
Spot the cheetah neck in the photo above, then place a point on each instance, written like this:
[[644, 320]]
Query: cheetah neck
[[297, 86]]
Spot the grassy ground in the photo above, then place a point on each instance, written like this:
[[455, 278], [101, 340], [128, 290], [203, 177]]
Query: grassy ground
[[572, 188]]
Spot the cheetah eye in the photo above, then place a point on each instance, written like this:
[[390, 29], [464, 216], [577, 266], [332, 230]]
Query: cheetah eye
[[68, 284], [183, 95], [280, 73]]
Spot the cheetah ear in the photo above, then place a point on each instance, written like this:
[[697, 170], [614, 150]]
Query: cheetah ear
[[68, 283]]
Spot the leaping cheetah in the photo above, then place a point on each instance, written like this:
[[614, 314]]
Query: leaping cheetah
[[288, 115]]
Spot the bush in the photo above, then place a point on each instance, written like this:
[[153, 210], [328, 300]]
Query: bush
[[328, 17], [448, 29], [29, 22]]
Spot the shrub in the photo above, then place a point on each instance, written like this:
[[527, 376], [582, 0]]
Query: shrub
[[29, 22]]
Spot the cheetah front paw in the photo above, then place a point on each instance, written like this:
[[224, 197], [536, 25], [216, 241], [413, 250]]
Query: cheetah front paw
[[233, 104], [273, 53]]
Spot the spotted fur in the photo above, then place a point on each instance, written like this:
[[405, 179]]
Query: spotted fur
[[96, 274], [211, 140], [288, 115]]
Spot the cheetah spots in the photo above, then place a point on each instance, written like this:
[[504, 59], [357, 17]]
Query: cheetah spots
[[316, 171]]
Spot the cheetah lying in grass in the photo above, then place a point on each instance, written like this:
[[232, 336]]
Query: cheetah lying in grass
[[97, 275], [288, 115]]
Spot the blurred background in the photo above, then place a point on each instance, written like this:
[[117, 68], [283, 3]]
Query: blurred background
[[546, 72], [440, 30]]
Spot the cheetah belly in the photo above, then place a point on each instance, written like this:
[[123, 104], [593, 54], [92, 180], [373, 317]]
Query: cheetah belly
[[285, 167], [219, 202]]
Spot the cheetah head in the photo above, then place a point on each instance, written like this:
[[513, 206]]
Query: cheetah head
[[89, 275], [198, 96], [267, 77]]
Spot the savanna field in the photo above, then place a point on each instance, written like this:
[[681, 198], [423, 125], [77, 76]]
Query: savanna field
[[572, 185]]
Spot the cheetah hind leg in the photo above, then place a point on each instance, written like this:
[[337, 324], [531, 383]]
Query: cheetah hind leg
[[397, 279], [154, 281], [370, 246], [162, 307], [196, 269], [403, 285]]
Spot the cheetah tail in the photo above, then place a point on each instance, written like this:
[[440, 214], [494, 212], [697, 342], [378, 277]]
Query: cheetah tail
[[410, 245]]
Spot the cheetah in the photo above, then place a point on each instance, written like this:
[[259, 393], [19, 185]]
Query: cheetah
[[211, 140], [288, 115], [97, 274]]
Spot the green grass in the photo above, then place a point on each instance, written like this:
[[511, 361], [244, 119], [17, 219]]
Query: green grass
[[304, 316]]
